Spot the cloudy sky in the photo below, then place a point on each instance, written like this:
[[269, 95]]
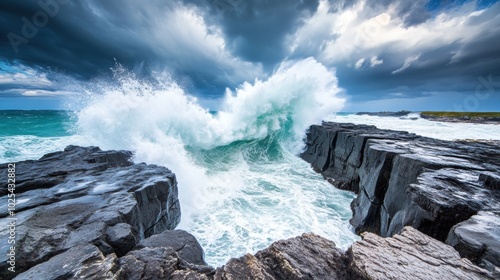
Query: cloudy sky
[[387, 55]]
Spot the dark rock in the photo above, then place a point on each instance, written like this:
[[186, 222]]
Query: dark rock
[[185, 244], [80, 262], [478, 239], [336, 150], [189, 275], [403, 179], [305, 257], [148, 263], [84, 196], [490, 180], [159, 263], [159, 260], [409, 255], [386, 114], [123, 237]]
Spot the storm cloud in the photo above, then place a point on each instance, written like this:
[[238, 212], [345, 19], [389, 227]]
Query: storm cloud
[[378, 49]]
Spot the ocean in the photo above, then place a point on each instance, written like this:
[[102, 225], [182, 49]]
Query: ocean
[[241, 182]]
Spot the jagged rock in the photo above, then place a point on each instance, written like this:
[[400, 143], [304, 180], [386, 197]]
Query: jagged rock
[[73, 197], [159, 262], [185, 244], [305, 257], [148, 263], [122, 237], [80, 262], [409, 255], [404, 179], [156, 261], [490, 180], [336, 150], [189, 275], [478, 239]]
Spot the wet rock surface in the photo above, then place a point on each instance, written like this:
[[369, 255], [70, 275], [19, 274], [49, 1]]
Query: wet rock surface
[[153, 261], [409, 255], [305, 257], [478, 239], [85, 196], [88, 214], [406, 180]]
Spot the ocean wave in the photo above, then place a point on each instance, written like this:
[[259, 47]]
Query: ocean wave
[[241, 184]]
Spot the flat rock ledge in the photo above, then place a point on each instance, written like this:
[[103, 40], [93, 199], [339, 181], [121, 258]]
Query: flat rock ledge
[[449, 190], [99, 202]]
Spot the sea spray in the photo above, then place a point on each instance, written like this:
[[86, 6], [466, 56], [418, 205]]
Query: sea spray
[[241, 184]]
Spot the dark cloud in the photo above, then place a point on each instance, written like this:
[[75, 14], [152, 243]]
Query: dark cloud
[[256, 30], [83, 38], [455, 67], [74, 40], [409, 12], [435, 71]]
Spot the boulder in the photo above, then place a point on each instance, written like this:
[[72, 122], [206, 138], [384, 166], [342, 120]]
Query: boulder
[[304, 257], [80, 262], [185, 244], [123, 237], [478, 239], [409, 255], [155, 261], [85, 196]]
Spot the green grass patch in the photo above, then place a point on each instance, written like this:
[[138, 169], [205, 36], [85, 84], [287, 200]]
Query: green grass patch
[[462, 114]]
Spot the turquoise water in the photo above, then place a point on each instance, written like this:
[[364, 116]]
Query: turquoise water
[[35, 123], [246, 194], [31, 134], [236, 196], [241, 184]]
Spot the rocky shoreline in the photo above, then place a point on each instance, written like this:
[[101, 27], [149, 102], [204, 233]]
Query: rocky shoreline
[[83, 213], [462, 119], [447, 190]]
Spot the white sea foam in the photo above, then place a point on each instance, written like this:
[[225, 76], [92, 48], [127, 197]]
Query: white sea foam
[[241, 184], [423, 127], [23, 147], [298, 94], [238, 191]]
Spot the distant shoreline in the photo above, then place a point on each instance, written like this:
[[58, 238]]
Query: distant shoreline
[[464, 117], [455, 117]]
